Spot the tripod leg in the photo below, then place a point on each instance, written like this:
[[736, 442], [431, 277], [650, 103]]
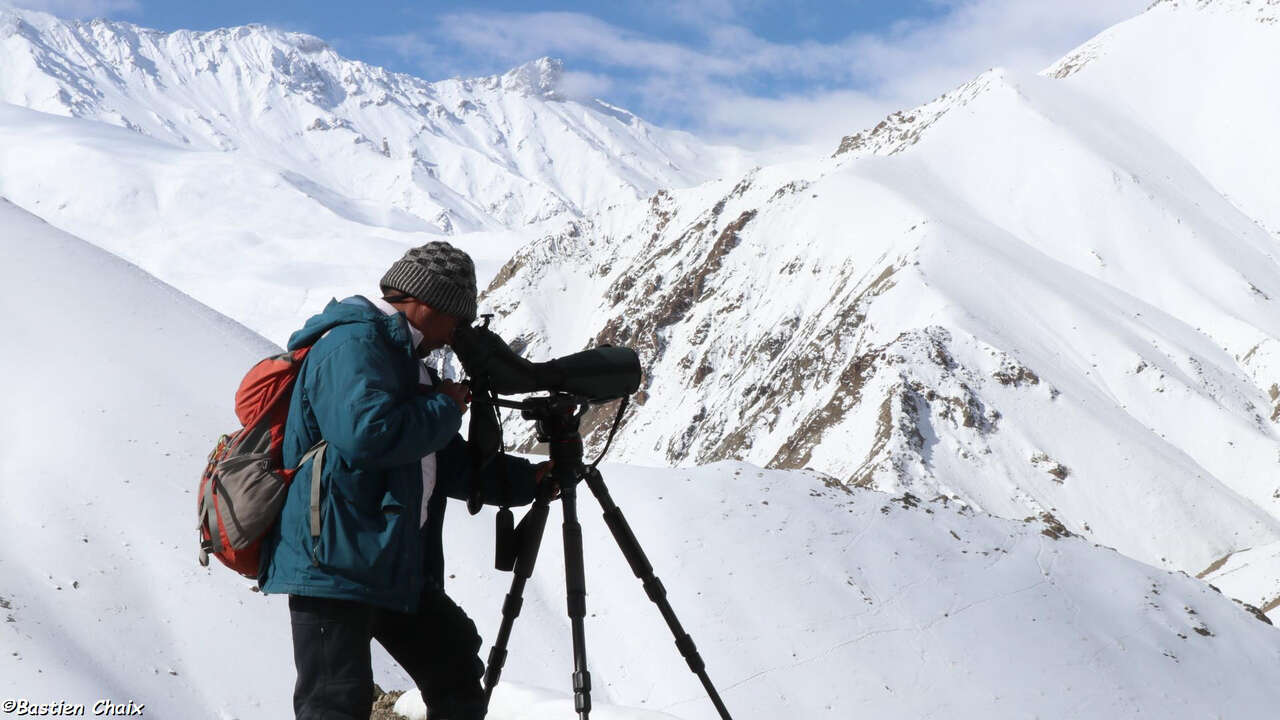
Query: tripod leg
[[643, 570], [529, 534], [576, 585]]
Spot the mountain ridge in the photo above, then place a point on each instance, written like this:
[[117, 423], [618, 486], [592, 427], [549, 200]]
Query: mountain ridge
[[261, 144], [465, 154], [1023, 296]]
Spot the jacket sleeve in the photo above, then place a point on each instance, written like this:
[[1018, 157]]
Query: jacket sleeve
[[367, 418], [453, 472]]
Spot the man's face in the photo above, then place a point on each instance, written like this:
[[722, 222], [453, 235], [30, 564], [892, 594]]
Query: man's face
[[436, 327]]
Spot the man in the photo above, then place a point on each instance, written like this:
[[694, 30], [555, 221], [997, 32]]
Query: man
[[392, 455]]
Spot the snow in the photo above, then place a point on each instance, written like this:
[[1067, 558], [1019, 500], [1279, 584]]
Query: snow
[[114, 386], [1033, 315], [257, 169], [182, 215], [467, 154], [1251, 574], [520, 703], [805, 598], [1038, 294], [1198, 75]]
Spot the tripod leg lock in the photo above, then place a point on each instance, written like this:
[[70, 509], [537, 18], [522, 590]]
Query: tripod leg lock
[[654, 588], [582, 691], [497, 659], [511, 606], [690, 653]]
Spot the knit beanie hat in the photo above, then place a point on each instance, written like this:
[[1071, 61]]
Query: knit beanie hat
[[439, 275]]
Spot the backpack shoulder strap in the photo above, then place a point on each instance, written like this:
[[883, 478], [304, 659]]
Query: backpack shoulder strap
[[316, 453]]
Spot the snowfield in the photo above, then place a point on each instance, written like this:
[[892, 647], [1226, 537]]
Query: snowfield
[[807, 599]]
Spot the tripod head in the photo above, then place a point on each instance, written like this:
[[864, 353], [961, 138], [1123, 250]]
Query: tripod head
[[557, 421]]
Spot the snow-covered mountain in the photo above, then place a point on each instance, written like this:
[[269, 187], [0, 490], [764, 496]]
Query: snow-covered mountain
[[230, 231], [807, 599], [457, 155], [1049, 294], [1199, 75], [259, 170]]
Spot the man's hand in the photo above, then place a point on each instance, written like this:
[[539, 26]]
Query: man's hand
[[460, 392], [542, 471]]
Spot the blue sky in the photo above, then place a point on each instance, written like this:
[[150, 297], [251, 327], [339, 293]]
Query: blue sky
[[751, 72]]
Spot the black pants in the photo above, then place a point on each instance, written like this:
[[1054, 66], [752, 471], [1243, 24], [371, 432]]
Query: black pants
[[437, 645]]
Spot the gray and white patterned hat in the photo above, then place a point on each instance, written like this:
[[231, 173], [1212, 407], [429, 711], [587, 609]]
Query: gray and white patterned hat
[[438, 274]]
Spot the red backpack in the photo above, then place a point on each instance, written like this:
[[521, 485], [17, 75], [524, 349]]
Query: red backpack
[[245, 483]]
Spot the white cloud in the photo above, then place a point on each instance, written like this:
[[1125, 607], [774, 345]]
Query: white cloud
[[77, 8], [812, 123], [584, 85], [515, 37], [430, 58], [734, 85]]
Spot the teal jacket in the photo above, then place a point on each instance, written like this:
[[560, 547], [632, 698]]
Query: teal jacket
[[358, 390]]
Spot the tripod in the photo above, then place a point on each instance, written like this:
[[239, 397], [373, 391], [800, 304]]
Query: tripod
[[558, 418]]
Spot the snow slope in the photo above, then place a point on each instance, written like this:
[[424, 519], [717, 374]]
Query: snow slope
[[1200, 76], [113, 386], [233, 233], [242, 236], [811, 600], [1021, 296], [806, 598]]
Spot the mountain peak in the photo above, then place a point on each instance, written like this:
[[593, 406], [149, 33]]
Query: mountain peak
[[904, 128], [1238, 14], [539, 77], [301, 41], [12, 19]]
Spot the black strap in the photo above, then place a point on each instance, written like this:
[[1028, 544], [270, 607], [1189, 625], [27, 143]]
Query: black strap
[[485, 409], [506, 547], [617, 421], [504, 480]]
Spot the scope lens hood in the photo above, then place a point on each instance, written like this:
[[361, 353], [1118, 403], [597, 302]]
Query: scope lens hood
[[601, 373]]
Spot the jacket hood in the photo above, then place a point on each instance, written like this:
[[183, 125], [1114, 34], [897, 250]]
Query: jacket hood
[[355, 309]]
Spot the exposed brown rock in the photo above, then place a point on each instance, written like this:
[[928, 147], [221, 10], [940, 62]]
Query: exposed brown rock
[[383, 704], [1256, 612], [1015, 375], [1215, 566], [1053, 528]]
